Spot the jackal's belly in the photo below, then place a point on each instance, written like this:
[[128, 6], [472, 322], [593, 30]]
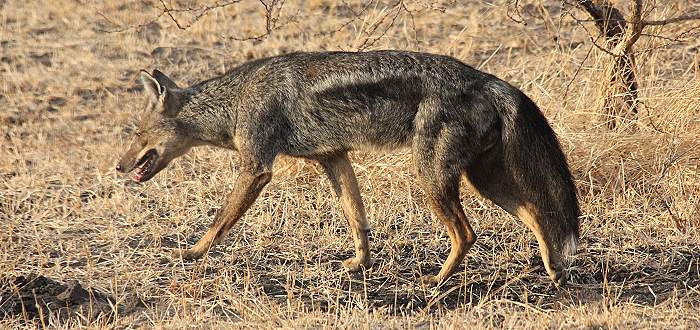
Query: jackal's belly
[[326, 132], [381, 137]]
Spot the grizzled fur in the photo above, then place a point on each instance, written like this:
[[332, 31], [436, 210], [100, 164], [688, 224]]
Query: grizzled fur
[[458, 121]]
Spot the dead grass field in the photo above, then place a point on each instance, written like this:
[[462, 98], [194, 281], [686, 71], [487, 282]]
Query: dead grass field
[[69, 93]]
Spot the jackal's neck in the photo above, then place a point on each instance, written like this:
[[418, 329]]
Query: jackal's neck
[[211, 118]]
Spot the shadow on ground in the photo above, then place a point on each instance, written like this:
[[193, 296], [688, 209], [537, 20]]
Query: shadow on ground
[[676, 273], [35, 298]]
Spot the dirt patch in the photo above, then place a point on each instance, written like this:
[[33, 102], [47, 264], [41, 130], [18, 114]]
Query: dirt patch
[[36, 297]]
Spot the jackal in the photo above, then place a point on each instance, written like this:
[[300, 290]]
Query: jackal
[[457, 121]]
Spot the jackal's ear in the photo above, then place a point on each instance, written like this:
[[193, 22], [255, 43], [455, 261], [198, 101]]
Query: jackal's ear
[[157, 83], [162, 91], [151, 86], [164, 81]]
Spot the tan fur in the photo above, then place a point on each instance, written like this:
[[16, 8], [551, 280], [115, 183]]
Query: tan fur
[[461, 234], [529, 214], [342, 176]]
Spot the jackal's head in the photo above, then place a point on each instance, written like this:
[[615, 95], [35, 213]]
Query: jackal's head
[[160, 136]]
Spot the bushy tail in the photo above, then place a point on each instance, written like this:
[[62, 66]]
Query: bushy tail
[[538, 165]]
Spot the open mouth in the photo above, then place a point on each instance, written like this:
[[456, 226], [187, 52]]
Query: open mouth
[[145, 166]]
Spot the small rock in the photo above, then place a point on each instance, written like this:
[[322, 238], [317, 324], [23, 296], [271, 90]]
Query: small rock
[[56, 101], [151, 32], [87, 196], [43, 59], [43, 31], [84, 117], [13, 120], [51, 109], [85, 94], [74, 293]]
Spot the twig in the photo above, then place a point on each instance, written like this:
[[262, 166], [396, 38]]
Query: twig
[[516, 4], [370, 41], [678, 19], [578, 69]]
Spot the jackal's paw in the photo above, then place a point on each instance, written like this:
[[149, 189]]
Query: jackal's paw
[[186, 254], [560, 278], [355, 264], [430, 280]]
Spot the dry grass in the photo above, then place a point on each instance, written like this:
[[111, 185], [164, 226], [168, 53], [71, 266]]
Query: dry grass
[[68, 91]]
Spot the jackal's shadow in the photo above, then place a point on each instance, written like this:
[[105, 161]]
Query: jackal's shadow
[[643, 275]]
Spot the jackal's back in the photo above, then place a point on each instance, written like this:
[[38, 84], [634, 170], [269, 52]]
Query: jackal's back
[[335, 101]]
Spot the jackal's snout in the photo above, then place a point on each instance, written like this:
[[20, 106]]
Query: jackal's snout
[[143, 162], [123, 165]]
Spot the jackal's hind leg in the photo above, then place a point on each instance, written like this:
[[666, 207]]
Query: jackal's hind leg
[[442, 189], [441, 150], [245, 190], [448, 209], [342, 176]]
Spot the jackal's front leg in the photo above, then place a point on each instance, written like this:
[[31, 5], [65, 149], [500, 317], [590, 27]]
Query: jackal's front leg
[[245, 190], [339, 171]]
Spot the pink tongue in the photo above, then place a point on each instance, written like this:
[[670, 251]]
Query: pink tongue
[[141, 170], [137, 176]]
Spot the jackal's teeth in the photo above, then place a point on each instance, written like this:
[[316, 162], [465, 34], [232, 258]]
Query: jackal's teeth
[[144, 165]]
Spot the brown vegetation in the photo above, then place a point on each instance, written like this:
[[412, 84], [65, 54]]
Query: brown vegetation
[[69, 92]]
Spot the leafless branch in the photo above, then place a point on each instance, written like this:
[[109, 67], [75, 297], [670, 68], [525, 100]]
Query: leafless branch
[[578, 69], [371, 38], [201, 12], [355, 17], [609, 19], [591, 36], [121, 28], [515, 4], [682, 18], [597, 15], [272, 11]]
